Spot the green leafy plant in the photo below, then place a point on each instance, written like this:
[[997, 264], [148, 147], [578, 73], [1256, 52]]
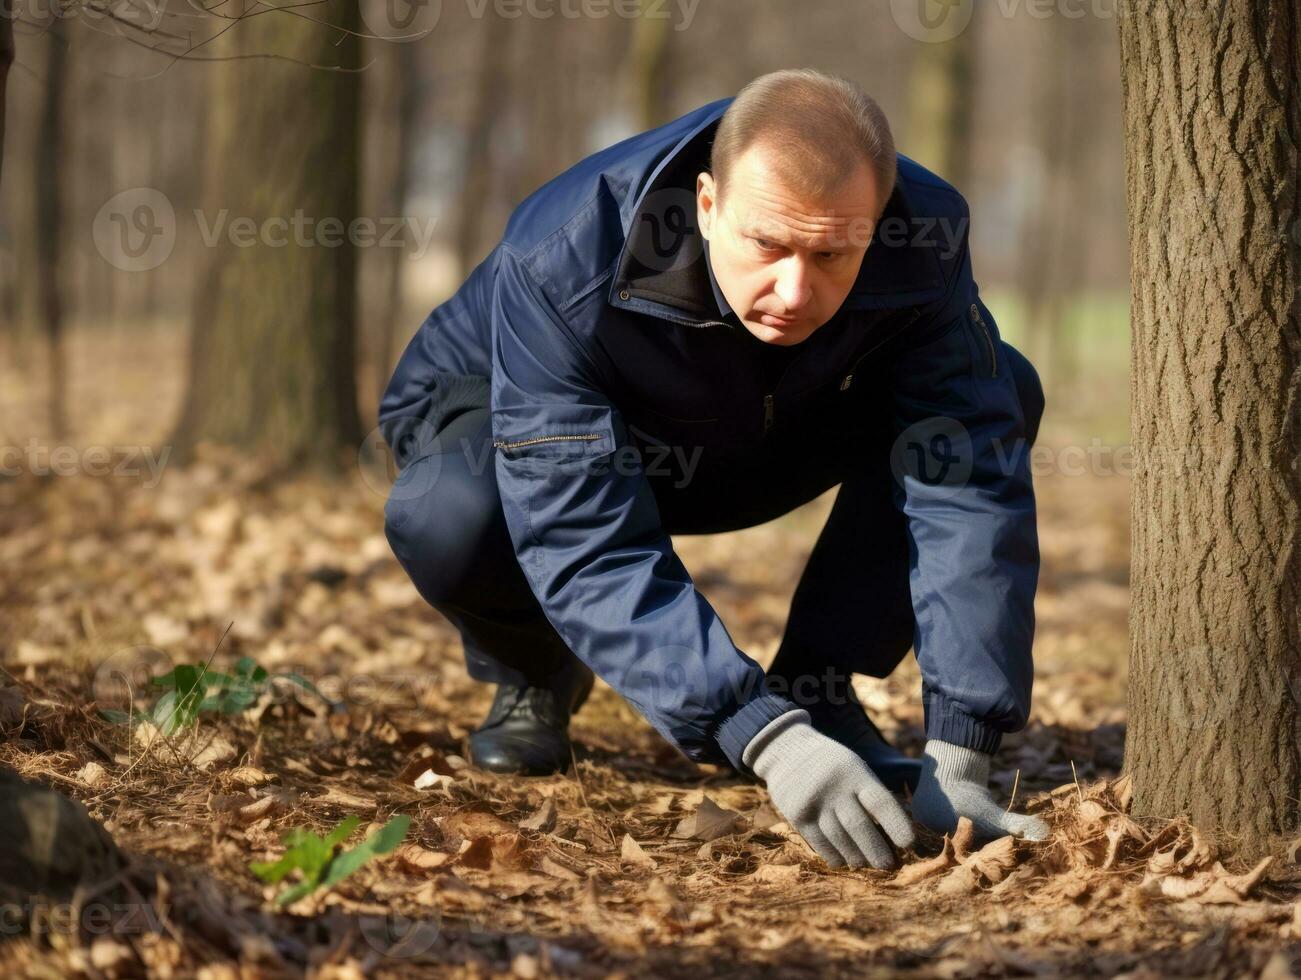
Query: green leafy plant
[[191, 689], [320, 862]]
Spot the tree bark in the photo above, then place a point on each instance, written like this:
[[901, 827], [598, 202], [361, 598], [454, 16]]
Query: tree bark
[[50, 152], [648, 60], [941, 106], [272, 362], [1212, 117], [6, 59], [485, 113], [397, 80]]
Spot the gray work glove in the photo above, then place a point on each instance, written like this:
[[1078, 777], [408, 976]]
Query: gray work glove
[[954, 784], [827, 793]]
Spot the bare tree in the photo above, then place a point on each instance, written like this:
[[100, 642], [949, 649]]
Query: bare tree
[[1212, 116], [272, 338], [648, 59], [490, 83], [392, 81], [50, 153], [941, 105], [6, 59]]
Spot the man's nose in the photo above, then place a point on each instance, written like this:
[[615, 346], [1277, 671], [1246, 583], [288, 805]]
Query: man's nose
[[793, 287]]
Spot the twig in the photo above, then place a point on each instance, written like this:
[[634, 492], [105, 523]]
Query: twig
[[1016, 781]]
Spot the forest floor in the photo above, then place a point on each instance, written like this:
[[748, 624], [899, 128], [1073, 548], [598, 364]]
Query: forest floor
[[625, 865]]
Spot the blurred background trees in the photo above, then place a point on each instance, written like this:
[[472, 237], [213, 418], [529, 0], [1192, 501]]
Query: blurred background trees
[[444, 130]]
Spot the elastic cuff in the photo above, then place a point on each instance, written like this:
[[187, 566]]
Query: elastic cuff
[[734, 734], [947, 722], [956, 764]]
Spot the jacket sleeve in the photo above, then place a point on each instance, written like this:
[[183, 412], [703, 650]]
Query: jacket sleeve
[[962, 478], [587, 533]]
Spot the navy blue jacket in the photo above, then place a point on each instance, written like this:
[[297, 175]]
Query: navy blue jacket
[[593, 331]]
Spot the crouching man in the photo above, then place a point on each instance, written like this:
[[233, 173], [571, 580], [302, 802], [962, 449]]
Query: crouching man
[[696, 330]]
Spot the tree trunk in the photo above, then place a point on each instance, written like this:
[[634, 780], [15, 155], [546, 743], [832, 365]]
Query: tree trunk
[[476, 180], [397, 80], [50, 159], [1047, 255], [6, 59], [648, 59], [941, 105], [1212, 117], [272, 353]]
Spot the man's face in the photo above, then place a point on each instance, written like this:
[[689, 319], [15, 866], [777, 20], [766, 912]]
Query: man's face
[[784, 262]]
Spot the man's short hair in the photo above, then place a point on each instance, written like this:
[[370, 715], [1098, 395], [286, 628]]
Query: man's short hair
[[822, 128]]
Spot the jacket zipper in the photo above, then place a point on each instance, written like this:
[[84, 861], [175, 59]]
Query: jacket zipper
[[585, 437], [848, 379], [767, 413], [993, 357]]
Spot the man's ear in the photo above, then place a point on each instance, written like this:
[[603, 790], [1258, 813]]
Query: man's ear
[[706, 201]]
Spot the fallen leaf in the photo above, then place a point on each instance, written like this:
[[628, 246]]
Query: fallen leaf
[[257, 810], [1244, 883], [92, 774], [477, 855], [919, 870], [765, 817], [1201, 852], [557, 870], [994, 860], [1122, 791], [707, 822], [341, 797], [248, 776], [428, 760], [1294, 852], [1091, 812], [202, 749], [431, 780], [1120, 829], [631, 853], [475, 822], [963, 836], [544, 820], [962, 880], [776, 874], [421, 860]]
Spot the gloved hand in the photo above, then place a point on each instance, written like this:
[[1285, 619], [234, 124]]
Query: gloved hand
[[827, 793], [954, 783]]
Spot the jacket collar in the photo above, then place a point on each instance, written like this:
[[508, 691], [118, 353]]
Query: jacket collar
[[662, 269]]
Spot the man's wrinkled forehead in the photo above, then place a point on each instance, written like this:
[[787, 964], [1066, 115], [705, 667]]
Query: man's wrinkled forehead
[[760, 204], [826, 229]]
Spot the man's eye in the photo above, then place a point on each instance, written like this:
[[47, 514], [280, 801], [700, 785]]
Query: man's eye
[[828, 255], [764, 244]]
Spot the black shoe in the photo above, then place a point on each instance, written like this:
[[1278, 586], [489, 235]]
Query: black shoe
[[527, 730], [849, 725]]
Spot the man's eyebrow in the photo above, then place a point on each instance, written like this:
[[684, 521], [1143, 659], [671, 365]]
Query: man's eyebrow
[[769, 236]]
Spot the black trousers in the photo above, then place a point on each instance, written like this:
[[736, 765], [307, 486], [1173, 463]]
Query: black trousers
[[852, 610]]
